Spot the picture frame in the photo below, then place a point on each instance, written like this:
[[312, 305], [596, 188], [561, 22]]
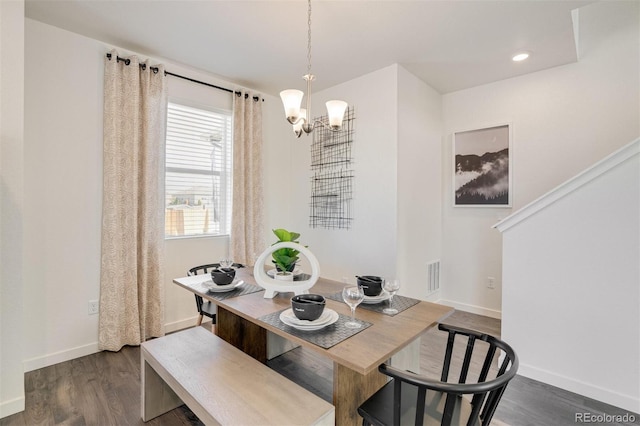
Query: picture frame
[[482, 167]]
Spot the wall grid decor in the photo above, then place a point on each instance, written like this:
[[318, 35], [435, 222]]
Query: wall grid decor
[[332, 174]]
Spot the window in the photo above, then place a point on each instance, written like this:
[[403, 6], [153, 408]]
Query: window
[[198, 172]]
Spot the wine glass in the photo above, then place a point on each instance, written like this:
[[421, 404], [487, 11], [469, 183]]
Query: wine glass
[[226, 262], [352, 296], [391, 287]]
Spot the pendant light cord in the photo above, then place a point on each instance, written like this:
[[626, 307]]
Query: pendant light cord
[[309, 39]]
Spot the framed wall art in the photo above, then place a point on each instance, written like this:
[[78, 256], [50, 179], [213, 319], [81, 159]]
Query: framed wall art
[[482, 167]]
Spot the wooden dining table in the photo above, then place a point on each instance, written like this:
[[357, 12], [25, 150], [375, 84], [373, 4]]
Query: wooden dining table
[[355, 359]]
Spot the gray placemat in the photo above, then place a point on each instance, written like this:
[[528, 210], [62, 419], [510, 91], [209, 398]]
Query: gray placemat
[[327, 337], [401, 303], [241, 290]]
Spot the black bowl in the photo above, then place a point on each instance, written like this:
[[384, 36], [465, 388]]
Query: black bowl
[[308, 306], [223, 276], [370, 285]]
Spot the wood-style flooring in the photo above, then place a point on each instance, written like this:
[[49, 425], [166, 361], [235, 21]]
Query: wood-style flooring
[[104, 388]]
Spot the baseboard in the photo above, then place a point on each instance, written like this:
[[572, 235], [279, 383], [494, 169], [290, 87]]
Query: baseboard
[[492, 313], [608, 396], [180, 325], [58, 357], [11, 406], [91, 348]]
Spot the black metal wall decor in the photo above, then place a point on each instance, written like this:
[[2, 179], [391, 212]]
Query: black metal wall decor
[[332, 174]]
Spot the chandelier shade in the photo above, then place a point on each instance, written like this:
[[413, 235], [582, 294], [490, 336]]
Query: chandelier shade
[[292, 99], [336, 111]]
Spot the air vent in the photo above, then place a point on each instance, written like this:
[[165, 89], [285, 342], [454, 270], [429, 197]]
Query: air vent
[[433, 277]]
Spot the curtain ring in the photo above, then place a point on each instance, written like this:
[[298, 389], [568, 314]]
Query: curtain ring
[[143, 66], [127, 61]]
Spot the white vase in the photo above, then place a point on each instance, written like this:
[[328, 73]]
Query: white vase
[[284, 276]]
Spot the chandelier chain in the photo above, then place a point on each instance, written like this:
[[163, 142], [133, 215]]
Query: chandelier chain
[[309, 39]]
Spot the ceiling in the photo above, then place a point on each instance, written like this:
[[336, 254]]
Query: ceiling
[[449, 44]]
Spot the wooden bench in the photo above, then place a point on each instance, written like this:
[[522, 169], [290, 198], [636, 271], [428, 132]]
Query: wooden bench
[[221, 384]]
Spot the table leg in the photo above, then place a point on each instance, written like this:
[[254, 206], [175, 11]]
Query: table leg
[[350, 389], [409, 357], [244, 335]]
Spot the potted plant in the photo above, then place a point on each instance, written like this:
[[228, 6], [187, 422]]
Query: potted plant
[[285, 258]]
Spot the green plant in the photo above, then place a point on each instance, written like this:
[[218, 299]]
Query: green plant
[[285, 258]]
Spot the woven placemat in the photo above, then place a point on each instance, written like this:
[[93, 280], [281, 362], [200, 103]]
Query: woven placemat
[[241, 290], [327, 337], [401, 303]]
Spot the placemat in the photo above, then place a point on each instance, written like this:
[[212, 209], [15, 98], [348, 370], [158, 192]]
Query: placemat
[[327, 337], [401, 303], [241, 290]]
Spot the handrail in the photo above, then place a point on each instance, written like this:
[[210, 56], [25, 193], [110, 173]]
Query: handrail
[[599, 168]]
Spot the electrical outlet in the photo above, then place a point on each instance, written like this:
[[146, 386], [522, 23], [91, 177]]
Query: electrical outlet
[[491, 282], [93, 307]]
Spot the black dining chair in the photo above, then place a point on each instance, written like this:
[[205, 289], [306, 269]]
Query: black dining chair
[[207, 308], [413, 399]]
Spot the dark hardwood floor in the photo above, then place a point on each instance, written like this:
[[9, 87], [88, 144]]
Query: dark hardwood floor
[[104, 388]]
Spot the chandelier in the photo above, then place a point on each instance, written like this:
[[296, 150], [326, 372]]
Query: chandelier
[[292, 99]]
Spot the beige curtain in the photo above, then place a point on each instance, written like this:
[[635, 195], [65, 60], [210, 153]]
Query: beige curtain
[[131, 292], [247, 219]]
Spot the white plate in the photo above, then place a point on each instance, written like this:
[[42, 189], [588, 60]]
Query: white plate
[[312, 325], [291, 318], [215, 288], [272, 272], [372, 300]]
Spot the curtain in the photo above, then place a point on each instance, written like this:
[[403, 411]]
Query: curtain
[[247, 228], [131, 292]]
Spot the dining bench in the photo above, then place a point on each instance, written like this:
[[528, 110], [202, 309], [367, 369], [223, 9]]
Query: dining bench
[[221, 384]]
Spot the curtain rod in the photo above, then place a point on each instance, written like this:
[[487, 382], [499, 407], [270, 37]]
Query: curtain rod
[[155, 70]]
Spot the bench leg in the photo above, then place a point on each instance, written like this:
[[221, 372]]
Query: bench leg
[[157, 397]]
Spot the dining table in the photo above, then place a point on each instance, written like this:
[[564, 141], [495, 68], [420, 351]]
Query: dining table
[[245, 318]]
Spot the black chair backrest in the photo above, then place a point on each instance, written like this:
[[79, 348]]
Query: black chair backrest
[[486, 392], [202, 269]]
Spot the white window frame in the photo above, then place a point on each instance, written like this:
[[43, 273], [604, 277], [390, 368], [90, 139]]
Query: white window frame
[[225, 186]]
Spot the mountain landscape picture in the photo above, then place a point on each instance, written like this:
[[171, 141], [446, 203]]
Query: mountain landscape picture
[[481, 174]]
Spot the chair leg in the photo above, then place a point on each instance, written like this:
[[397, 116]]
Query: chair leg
[[199, 320]]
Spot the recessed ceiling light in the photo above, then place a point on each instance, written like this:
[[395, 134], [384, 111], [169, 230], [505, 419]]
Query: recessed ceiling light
[[521, 56]]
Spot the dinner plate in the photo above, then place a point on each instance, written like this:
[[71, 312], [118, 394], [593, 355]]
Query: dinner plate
[[372, 300], [331, 317], [215, 288], [291, 318]]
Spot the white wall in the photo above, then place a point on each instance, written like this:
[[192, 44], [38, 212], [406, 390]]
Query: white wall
[[63, 192], [369, 247], [563, 119], [11, 205], [572, 293], [419, 223]]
